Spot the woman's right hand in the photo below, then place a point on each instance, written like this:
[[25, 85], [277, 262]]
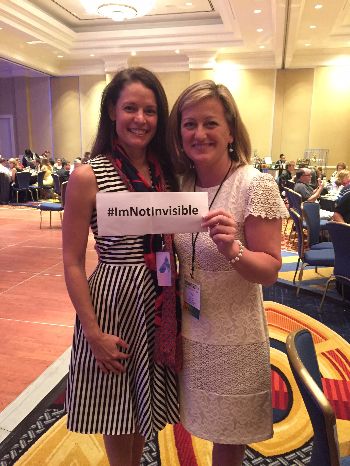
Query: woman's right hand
[[105, 349]]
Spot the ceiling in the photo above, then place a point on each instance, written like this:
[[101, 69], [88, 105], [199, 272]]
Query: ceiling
[[176, 35]]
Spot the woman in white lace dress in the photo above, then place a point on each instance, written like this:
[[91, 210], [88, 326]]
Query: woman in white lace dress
[[225, 384]]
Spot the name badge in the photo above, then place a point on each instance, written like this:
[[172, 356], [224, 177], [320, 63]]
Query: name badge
[[193, 297], [163, 268]]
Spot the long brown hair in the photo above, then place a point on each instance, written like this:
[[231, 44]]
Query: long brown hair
[[106, 127], [193, 94]]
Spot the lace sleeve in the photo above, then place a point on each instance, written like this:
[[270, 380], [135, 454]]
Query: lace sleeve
[[263, 198]]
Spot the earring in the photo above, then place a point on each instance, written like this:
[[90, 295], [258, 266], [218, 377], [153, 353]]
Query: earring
[[231, 147]]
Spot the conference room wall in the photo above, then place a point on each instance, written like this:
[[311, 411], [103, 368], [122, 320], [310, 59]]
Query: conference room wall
[[13, 102], [66, 117], [330, 113], [292, 110], [90, 90], [39, 114]]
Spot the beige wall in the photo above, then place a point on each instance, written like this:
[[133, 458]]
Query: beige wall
[[292, 113], [39, 114], [66, 122], [330, 113], [90, 88], [174, 84]]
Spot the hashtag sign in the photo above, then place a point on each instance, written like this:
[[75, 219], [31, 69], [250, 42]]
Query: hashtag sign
[[110, 212]]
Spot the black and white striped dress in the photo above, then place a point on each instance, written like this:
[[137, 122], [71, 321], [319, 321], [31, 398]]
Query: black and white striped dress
[[144, 398]]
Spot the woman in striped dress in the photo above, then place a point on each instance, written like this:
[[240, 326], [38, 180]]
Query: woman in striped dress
[[125, 351]]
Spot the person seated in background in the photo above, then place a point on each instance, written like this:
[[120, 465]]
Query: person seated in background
[[340, 166], [14, 168], [28, 159], [343, 180], [4, 168], [287, 174], [303, 185], [58, 164], [76, 163], [46, 167], [86, 157], [307, 192], [63, 172], [342, 209]]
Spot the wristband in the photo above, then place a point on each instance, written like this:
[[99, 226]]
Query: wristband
[[239, 255]]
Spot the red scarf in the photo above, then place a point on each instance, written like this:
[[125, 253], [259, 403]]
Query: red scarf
[[168, 349]]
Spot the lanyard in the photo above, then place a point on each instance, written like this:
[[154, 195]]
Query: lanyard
[[194, 237]]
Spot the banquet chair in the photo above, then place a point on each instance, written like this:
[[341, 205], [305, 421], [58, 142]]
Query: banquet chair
[[340, 236], [41, 187], [314, 225], [303, 362], [56, 184], [294, 200], [53, 206], [313, 257], [23, 185]]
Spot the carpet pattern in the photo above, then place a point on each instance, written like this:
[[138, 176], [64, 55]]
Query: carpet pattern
[[292, 441]]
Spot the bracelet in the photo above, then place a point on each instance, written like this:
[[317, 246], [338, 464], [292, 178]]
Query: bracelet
[[239, 255]]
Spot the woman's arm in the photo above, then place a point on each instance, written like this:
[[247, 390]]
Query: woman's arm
[[79, 206], [13, 175], [261, 258]]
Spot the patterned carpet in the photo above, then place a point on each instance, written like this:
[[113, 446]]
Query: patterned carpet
[[291, 444]]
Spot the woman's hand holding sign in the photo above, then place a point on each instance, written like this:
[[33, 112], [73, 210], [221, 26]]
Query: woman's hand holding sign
[[222, 229]]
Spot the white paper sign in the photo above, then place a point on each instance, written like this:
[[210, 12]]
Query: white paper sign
[[134, 213]]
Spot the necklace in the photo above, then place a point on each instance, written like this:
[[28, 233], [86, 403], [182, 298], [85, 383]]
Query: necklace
[[194, 237]]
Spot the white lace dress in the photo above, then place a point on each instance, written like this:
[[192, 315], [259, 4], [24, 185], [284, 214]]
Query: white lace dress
[[225, 388]]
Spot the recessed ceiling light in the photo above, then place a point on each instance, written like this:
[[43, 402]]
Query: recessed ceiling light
[[318, 6], [92, 54], [312, 26], [261, 46], [133, 53], [59, 56], [259, 30], [307, 45], [188, 3], [34, 42], [177, 51], [0, 29], [257, 11]]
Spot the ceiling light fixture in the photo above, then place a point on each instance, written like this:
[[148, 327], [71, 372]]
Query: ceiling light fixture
[[261, 46], [307, 45], [318, 6], [257, 11], [177, 51], [118, 10], [133, 53], [259, 30], [312, 26]]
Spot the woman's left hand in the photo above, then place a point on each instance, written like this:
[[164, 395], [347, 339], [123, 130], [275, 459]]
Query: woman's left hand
[[223, 230]]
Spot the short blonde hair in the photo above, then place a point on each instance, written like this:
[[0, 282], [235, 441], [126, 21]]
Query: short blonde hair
[[342, 175], [195, 93]]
